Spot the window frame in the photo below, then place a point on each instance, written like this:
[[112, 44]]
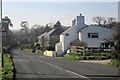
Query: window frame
[[93, 35]]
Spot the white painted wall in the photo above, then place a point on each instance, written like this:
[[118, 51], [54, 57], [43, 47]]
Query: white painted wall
[[73, 33], [103, 33], [49, 53], [58, 48], [80, 20]]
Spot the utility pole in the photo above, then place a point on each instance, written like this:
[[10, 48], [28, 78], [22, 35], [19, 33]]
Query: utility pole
[[119, 11], [1, 53]]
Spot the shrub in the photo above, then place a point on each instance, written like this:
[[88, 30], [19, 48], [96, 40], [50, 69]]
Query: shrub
[[50, 49], [91, 58], [83, 57], [88, 54], [103, 57], [100, 57], [7, 71]]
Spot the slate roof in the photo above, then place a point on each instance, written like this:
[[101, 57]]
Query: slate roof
[[54, 32], [92, 26], [42, 35], [57, 31], [50, 32]]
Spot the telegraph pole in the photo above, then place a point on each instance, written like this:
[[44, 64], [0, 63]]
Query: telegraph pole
[[1, 53]]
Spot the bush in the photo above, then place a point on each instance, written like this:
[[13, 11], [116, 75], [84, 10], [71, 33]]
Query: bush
[[97, 54], [50, 49], [102, 57], [87, 56], [7, 71], [91, 58], [83, 58]]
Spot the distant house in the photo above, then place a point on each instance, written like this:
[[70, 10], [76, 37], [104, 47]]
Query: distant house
[[44, 38], [90, 34], [52, 37]]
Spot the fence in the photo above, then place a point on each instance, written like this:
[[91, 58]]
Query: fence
[[87, 49]]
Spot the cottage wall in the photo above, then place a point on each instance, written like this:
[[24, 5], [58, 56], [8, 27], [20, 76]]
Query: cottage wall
[[103, 33]]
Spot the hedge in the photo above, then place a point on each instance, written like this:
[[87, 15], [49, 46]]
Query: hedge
[[76, 57]]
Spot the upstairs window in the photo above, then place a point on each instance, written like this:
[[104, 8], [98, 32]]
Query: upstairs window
[[92, 35], [67, 34]]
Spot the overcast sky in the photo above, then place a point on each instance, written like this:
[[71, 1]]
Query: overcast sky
[[45, 12]]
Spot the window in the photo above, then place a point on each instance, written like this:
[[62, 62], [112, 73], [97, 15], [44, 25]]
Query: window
[[67, 34], [89, 34], [92, 35]]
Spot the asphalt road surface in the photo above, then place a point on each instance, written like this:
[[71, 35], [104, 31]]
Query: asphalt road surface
[[33, 66]]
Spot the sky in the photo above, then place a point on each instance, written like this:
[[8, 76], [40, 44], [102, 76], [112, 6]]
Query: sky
[[38, 12]]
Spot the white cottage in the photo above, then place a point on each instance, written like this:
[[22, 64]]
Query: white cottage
[[90, 34], [70, 35], [93, 35]]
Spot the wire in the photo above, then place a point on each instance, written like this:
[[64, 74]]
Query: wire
[[99, 8], [103, 7]]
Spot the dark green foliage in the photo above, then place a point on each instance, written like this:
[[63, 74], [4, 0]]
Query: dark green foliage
[[50, 49], [7, 71], [116, 48], [37, 46], [88, 56]]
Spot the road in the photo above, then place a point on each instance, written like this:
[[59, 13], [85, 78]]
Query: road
[[33, 66]]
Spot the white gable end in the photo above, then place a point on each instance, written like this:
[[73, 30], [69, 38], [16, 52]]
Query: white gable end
[[93, 35]]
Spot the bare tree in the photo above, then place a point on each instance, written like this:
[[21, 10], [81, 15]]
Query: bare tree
[[111, 22], [44, 42], [105, 22], [24, 25], [51, 24], [47, 28], [99, 20], [36, 29]]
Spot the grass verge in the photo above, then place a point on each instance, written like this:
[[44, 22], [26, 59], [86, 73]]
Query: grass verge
[[71, 57], [0, 72], [115, 63], [7, 71]]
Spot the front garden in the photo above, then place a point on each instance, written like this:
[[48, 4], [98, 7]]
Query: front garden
[[92, 56], [88, 56]]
